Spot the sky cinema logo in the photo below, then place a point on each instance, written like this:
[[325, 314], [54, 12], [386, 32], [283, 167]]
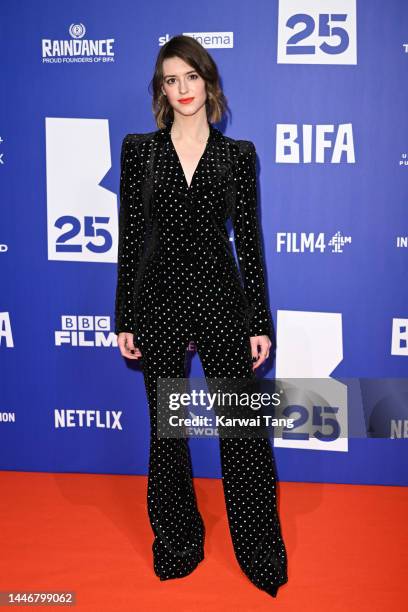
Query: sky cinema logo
[[77, 49]]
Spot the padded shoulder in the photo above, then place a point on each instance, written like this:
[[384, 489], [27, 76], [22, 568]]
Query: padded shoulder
[[135, 141], [246, 146], [142, 136], [240, 146]]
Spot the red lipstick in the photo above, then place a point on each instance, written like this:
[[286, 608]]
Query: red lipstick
[[185, 100]]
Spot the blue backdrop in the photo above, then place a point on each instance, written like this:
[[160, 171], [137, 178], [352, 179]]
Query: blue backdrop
[[320, 87]]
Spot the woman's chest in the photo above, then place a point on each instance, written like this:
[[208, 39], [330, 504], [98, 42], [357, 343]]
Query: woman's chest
[[205, 194]]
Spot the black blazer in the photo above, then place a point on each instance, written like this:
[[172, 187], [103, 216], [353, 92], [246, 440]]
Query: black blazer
[[229, 168]]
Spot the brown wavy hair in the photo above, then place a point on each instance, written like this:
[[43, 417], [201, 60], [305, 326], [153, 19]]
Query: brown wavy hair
[[196, 56]]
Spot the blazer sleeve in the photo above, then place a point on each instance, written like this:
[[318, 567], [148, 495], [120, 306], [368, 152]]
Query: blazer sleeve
[[130, 235], [247, 238]]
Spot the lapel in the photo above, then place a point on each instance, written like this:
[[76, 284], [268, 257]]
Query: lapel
[[219, 148]]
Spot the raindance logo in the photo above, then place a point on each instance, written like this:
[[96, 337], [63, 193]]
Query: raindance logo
[[77, 49]]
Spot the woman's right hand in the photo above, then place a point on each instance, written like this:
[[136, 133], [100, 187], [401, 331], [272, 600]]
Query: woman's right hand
[[126, 346]]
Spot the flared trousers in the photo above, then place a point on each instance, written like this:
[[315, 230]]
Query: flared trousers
[[247, 464]]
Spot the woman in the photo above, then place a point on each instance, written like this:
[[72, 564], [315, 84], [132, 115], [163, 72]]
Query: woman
[[178, 281]]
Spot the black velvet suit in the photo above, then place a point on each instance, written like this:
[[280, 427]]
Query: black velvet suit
[[178, 281]]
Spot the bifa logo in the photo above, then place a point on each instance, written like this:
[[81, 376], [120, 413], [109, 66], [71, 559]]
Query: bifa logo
[[399, 337], [314, 143], [91, 419], [6, 334], [294, 242], [85, 331], [77, 49]]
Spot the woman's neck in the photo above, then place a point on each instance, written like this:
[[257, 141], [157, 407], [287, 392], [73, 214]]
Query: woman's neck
[[190, 128]]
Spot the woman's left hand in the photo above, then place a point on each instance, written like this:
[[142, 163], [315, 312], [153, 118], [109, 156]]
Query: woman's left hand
[[260, 346]]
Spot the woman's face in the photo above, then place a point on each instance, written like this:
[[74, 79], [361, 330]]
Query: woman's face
[[181, 81]]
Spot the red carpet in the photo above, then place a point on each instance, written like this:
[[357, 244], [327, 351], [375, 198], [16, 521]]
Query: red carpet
[[347, 547]]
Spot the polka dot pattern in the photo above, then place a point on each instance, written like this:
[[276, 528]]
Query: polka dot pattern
[[178, 281]]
